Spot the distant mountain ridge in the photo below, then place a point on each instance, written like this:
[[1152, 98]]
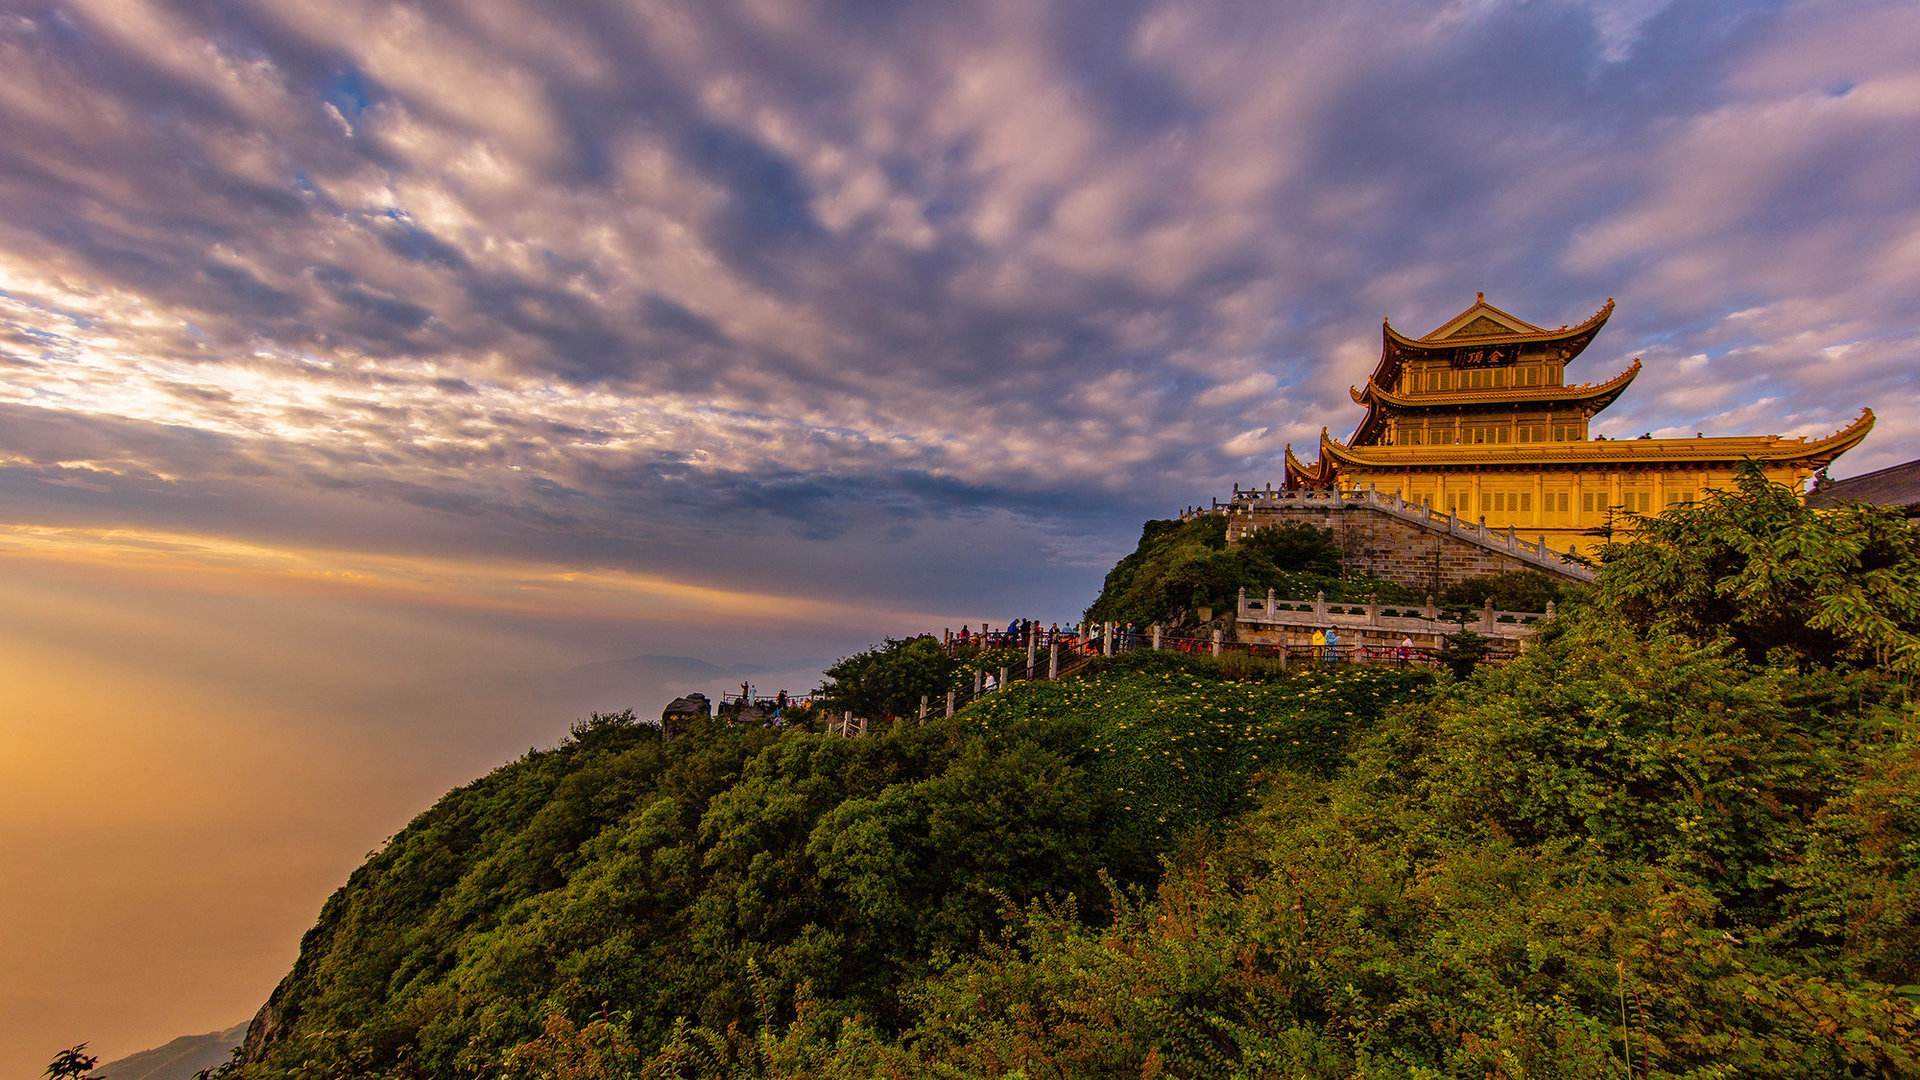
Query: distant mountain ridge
[[179, 1059]]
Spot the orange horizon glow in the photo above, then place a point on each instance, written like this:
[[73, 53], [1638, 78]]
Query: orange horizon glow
[[504, 586]]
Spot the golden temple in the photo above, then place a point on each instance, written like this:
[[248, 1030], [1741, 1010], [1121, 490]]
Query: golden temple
[[1476, 418]]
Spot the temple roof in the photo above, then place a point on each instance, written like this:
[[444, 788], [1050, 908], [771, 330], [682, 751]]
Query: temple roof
[[1481, 324], [1815, 454], [1300, 474], [1595, 396], [1896, 485]]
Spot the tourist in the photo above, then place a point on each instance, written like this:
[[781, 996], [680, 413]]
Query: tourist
[[1319, 644], [1405, 652], [1333, 645]]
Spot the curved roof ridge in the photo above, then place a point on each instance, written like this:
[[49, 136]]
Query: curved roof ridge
[[1427, 342], [1699, 448]]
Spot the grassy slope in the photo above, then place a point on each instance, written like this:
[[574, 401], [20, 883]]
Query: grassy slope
[[710, 876]]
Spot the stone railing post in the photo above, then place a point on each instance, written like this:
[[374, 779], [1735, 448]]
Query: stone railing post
[[1216, 643], [1549, 609], [1453, 522], [1033, 642], [949, 703], [946, 636], [1373, 613], [1486, 615], [976, 682], [1269, 603], [1320, 604], [923, 708], [1106, 639], [1053, 660], [1240, 609], [1003, 678], [1156, 637], [1431, 612]]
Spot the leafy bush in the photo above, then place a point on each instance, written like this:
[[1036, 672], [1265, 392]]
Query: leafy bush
[[1755, 564], [1516, 590], [890, 680]]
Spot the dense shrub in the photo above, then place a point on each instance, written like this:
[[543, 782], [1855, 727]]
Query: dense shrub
[[1516, 590], [889, 680]]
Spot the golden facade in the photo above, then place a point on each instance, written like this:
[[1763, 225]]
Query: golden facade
[[1477, 418]]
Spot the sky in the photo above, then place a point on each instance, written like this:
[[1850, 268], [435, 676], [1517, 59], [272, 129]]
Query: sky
[[383, 386]]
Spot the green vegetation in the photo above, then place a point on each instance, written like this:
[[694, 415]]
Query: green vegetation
[[1183, 566], [1517, 590], [729, 875], [1679, 836], [889, 681]]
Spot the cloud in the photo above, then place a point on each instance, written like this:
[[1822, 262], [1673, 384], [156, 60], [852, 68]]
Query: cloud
[[611, 281]]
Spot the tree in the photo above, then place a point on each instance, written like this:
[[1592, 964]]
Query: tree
[[73, 1063], [1758, 566], [1462, 652], [889, 681], [1517, 590]]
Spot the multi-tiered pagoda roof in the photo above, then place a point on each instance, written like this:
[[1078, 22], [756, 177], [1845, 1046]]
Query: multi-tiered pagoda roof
[[1468, 371]]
